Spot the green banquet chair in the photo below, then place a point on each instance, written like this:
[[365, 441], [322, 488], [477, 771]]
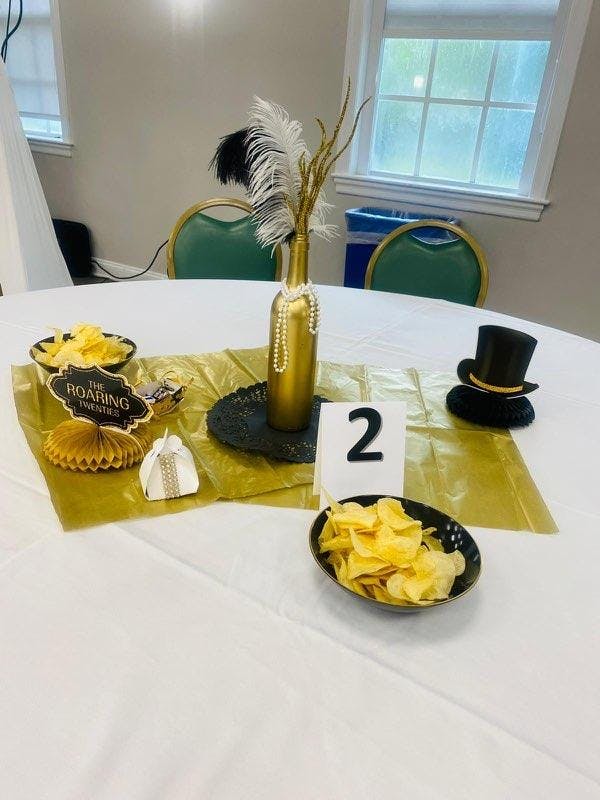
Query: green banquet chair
[[453, 270], [201, 246]]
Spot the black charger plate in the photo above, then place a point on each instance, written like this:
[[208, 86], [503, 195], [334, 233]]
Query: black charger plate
[[451, 534], [240, 420]]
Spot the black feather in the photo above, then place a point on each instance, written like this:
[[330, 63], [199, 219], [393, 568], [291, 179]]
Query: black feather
[[230, 161]]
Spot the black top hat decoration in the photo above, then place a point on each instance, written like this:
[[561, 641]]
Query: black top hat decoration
[[494, 381]]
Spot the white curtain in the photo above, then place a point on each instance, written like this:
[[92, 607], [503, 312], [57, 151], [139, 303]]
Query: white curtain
[[29, 254]]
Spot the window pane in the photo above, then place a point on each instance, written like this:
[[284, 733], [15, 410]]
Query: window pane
[[449, 144], [462, 69], [396, 136], [31, 51], [504, 145], [43, 128], [519, 71], [36, 97], [404, 66]]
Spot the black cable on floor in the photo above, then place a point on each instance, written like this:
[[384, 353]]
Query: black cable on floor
[[130, 277]]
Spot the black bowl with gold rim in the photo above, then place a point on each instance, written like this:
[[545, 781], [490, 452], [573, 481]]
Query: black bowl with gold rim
[[110, 368], [450, 533]]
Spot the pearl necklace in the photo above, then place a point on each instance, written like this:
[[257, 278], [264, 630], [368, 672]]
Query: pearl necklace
[[280, 349]]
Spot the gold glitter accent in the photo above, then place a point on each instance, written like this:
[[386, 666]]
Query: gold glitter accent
[[491, 388], [168, 469]]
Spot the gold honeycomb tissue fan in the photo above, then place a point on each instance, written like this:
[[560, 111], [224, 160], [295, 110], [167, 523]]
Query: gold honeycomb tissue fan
[[85, 447]]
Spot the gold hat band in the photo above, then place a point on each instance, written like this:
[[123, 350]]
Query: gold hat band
[[491, 388]]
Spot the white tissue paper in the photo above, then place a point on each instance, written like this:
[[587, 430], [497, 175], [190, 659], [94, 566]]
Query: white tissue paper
[[168, 470]]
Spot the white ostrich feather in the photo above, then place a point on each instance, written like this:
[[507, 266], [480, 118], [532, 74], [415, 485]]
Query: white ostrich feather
[[317, 224], [275, 146]]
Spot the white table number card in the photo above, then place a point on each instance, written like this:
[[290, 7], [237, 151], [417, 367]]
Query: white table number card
[[360, 449]]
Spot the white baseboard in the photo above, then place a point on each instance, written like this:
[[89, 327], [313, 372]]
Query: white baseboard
[[125, 271]]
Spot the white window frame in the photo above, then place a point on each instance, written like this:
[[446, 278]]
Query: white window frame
[[363, 52], [64, 145]]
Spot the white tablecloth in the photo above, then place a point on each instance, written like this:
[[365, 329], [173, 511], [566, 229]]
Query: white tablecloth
[[203, 655]]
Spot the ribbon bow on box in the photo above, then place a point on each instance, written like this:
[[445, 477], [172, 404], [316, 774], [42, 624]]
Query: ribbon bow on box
[[168, 470]]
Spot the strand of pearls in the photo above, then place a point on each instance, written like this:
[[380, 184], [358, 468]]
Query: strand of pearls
[[280, 350]]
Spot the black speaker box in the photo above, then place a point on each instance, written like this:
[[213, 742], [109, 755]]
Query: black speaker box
[[75, 245]]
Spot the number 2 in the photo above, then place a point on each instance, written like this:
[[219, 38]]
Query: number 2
[[374, 423]]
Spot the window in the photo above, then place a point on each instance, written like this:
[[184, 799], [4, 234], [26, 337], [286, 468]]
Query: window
[[36, 73], [468, 102], [458, 110]]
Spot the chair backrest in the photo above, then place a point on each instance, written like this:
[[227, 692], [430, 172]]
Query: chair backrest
[[453, 270], [201, 246]]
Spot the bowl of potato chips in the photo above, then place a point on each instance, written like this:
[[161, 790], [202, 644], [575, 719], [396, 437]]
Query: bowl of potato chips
[[395, 553], [84, 345]]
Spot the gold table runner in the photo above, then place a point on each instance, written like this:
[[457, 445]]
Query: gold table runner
[[474, 474]]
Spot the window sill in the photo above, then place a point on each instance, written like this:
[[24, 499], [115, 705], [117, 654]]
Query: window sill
[[455, 199], [50, 147]]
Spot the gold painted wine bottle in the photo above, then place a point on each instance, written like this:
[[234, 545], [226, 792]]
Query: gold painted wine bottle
[[290, 393]]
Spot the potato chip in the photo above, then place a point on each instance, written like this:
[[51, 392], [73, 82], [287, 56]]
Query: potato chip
[[395, 548], [391, 513], [359, 565], [381, 594], [337, 543], [415, 587], [50, 347], [363, 519], [380, 552], [459, 562], [333, 504], [357, 587], [362, 543], [370, 580], [329, 529], [395, 584], [351, 506], [432, 542]]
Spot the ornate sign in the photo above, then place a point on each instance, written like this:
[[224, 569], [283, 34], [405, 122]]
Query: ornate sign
[[98, 396]]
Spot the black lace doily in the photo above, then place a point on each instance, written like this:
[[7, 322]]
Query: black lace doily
[[240, 420], [485, 408]]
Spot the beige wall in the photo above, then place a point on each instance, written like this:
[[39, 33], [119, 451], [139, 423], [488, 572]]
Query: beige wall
[[153, 84]]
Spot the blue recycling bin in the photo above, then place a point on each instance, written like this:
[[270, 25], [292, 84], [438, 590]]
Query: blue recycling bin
[[367, 226]]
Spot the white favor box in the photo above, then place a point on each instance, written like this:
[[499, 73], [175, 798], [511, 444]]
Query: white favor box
[[168, 470]]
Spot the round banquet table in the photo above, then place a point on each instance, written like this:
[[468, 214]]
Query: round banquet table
[[204, 655]]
